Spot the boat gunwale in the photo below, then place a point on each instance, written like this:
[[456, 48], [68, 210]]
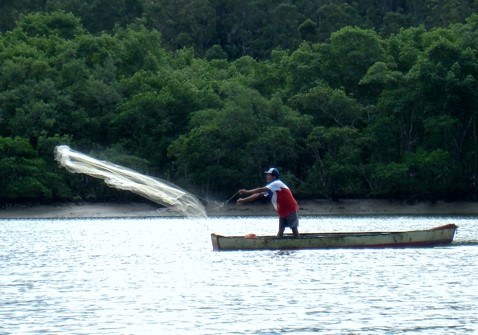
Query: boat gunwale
[[332, 234]]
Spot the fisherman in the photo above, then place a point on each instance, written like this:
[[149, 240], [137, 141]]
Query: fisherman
[[282, 199]]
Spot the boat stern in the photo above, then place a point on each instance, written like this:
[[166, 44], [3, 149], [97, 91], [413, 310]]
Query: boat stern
[[215, 242]]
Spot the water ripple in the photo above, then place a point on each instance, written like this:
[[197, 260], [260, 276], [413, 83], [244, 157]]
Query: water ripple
[[160, 275]]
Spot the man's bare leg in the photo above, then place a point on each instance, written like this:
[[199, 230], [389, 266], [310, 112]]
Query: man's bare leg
[[280, 233]]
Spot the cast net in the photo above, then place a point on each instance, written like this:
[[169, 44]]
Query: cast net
[[154, 189]]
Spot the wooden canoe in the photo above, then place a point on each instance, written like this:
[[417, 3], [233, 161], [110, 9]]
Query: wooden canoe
[[399, 239]]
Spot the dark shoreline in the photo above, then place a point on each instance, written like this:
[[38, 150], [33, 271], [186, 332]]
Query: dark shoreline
[[307, 208]]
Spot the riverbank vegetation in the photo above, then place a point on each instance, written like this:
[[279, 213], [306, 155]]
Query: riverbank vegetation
[[346, 102]]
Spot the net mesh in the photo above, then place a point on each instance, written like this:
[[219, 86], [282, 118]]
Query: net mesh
[[154, 189]]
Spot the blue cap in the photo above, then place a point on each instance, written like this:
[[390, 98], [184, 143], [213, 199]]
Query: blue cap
[[273, 171]]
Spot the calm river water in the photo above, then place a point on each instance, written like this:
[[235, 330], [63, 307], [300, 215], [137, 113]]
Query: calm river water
[[160, 276]]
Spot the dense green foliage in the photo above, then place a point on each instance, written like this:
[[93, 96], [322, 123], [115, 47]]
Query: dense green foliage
[[350, 112], [236, 28]]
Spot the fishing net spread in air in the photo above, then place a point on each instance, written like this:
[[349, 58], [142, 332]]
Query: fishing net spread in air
[[122, 178]]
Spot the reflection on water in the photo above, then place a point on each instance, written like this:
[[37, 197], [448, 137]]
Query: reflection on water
[[160, 275]]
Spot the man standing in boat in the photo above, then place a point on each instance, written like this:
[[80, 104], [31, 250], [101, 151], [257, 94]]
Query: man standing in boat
[[282, 199]]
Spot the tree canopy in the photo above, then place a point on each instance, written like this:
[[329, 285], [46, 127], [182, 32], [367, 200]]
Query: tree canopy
[[358, 113]]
